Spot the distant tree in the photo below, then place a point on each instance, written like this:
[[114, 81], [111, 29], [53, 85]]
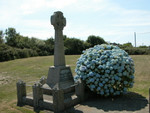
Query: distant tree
[[35, 43], [49, 46], [64, 37], [10, 35], [14, 39], [143, 47], [126, 45], [1, 37], [22, 42], [39, 42], [94, 40], [50, 41], [116, 44], [86, 45], [73, 46]]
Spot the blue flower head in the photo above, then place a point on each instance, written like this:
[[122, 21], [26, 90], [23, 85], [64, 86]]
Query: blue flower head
[[98, 75], [98, 89], [91, 74], [102, 92], [100, 84], [116, 77], [125, 82], [111, 90]]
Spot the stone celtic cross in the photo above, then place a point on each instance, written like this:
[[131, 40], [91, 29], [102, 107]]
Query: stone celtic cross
[[59, 75], [59, 22]]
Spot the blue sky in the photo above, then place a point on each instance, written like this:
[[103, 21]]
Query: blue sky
[[114, 20]]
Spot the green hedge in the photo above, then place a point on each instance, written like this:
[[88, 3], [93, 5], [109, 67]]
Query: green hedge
[[137, 51], [9, 53]]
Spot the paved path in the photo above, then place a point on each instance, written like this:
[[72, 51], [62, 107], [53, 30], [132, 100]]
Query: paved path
[[129, 103]]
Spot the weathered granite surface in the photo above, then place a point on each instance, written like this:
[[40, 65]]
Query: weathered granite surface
[[59, 75], [59, 22]]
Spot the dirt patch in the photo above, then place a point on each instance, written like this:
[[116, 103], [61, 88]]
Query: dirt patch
[[4, 79]]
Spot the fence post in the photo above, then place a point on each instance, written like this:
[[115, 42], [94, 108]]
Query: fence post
[[58, 100], [37, 95], [79, 90], [21, 92]]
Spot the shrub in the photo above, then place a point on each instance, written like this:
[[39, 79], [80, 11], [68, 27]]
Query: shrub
[[106, 70], [9, 53], [73, 46], [6, 53], [137, 51]]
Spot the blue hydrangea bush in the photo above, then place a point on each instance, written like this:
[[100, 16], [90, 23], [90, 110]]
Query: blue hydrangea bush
[[106, 70]]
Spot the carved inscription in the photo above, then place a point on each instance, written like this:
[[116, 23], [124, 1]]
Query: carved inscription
[[65, 75]]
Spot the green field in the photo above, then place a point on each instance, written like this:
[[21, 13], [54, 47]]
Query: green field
[[31, 69]]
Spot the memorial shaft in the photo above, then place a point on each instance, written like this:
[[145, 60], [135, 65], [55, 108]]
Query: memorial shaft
[[59, 57], [59, 22]]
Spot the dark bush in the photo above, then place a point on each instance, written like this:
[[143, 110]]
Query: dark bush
[[73, 46], [137, 51], [6, 53], [9, 53]]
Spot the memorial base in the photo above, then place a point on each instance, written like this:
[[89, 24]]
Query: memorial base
[[56, 93], [59, 77], [45, 98]]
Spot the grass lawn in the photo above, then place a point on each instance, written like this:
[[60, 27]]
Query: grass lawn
[[31, 69]]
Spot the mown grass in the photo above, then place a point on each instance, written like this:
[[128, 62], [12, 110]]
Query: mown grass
[[142, 74], [31, 69]]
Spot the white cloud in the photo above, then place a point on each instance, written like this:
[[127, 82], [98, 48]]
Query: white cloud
[[32, 6], [38, 34], [36, 23], [58, 4], [90, 5], [131, 18], [84, 17], [132, 24]]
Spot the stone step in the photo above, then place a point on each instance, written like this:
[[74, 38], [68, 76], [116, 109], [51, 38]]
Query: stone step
[[28, 100], [73, 100], [49, 98], [47, 90]]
